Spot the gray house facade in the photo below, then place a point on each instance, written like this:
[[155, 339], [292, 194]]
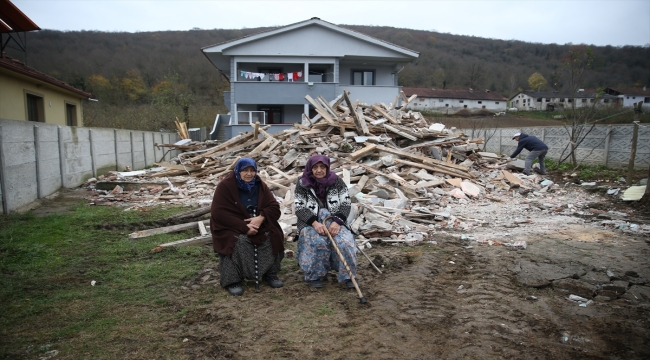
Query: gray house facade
[[270, 73]]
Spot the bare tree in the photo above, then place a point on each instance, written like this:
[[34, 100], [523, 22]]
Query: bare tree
[[475, 73]]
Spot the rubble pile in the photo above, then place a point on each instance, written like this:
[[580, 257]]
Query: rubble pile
[[404, 174]]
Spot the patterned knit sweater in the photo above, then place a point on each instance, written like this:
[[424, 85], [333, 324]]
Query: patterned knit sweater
[[307, 204]]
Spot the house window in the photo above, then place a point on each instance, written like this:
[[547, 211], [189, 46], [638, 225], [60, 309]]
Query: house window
[[446, 105], [480, 102], [539, 99], [460, 101], [633, 97], [70, 114], [465, 106], [35, 110], [547, 100], [628, 97], [517, 101], [592, 100], [496, 102], [562, 100], [584, 100], [363, 77], [570, 100], [646, 100], [441, 100], [483, 106]]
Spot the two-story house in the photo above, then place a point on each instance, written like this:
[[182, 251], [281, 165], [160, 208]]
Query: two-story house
[[631, 96], [271, 72], [450, 101], [559, 101]]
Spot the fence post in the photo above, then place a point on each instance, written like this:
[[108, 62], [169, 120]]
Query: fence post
[[37, 150], [500, 136], [630, 165], [3, 181], [608, 139], [93, 160], [144, 148], [132, 150], [115, 143], [61, 156]]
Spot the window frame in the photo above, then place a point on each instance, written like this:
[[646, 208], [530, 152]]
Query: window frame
[[362, 71], [40, 106]]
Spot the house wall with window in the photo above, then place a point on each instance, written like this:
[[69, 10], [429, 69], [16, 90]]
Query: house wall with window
[[440, 104], [630, 100], [28, 99], [559, 101]]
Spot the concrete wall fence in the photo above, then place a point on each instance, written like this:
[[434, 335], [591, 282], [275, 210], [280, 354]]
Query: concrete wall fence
[[38, 159], [608, 145]]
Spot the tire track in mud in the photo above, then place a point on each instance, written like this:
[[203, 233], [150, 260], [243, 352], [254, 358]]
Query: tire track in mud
[[465, 309]]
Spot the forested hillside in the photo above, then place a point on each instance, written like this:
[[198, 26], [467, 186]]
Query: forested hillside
[[144, 80]]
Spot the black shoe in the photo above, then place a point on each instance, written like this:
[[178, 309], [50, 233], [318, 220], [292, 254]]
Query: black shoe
[[315, 283], [235, 289], [274, 281], [349, 284]]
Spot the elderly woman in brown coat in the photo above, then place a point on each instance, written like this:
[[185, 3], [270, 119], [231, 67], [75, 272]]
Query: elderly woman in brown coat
[[245, 230]]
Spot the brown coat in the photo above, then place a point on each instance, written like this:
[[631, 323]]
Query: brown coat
[[228, 214]]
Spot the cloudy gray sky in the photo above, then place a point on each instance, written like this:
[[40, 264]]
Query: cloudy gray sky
[[604, 22]]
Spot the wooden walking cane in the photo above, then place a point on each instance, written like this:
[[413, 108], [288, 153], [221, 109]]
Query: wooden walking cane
[[347, 268]]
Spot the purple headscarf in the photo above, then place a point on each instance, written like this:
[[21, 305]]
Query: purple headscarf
[[319, 185], [242, 164]]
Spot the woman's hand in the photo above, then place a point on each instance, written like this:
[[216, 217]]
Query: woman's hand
[[334, 228], [320, 228], [254, 224]]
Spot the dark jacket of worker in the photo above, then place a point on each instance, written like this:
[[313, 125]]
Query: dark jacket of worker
[[530, 143]]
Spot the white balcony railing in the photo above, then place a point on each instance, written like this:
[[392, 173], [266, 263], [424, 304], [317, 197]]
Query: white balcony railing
[[249, 117]]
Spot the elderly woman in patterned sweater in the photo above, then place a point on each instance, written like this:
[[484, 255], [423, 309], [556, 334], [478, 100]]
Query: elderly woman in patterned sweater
[[246, 234], [321, 193]]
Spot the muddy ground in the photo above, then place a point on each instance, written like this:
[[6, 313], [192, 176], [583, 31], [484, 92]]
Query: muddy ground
[[468, 296]]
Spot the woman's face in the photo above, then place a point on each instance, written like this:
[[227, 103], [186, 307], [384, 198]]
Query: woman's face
[[247, 174], [319, 170]]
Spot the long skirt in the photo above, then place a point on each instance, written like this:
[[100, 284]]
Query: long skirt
[[317, 256], [241, 264]]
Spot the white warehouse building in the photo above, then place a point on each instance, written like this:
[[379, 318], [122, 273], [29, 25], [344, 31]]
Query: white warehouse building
[[452, 101]]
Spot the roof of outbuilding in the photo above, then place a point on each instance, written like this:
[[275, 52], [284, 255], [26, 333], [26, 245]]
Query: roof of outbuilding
[[453, 94], [630, 91], [17, 66]]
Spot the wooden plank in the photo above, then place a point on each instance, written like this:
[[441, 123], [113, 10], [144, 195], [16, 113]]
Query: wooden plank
[[439, 169], [260, 147], [236, 140], [320, 110], [166, 229], [198, 240], [251, 142], [279, 171], [363, 152], [202, 229], [383, 113], [513, 180], [353, 112], [346, 177], [362, 122], [432, 183], [401, 133], [256, 129], [423, 159], [402, 182]]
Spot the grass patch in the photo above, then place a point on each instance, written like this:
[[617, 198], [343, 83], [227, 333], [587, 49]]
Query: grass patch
[[47, 265], [595, 172]]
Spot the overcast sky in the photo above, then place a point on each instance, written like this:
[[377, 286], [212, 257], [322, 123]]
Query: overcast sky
[[607, 22]]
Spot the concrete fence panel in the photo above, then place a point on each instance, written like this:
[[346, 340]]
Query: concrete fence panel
[[608, 145], [38, 159]]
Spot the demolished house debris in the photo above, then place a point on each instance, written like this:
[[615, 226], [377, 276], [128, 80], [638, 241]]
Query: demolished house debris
[[404, 174]]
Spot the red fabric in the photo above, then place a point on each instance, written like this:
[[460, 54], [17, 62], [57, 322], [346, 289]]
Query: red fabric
[[281, 77], [227, 218]]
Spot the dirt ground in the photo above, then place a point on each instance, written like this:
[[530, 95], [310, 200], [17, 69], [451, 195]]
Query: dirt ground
[[467, 296]]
